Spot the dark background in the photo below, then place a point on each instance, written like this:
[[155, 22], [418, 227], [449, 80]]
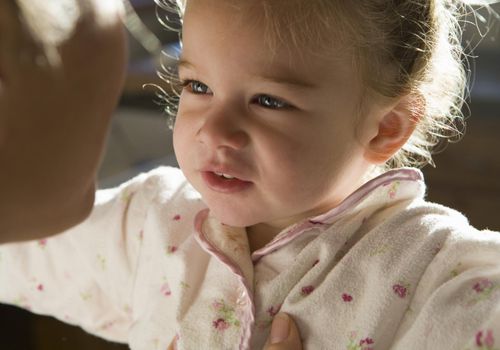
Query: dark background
[[466, 177]]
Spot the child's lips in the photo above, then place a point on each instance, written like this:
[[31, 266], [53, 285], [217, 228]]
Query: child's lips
[[221, 184]]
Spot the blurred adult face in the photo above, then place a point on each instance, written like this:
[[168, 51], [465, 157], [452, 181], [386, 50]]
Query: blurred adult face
[[54, 115]]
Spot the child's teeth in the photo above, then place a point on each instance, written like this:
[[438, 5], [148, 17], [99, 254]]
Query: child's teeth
[[224, 175]]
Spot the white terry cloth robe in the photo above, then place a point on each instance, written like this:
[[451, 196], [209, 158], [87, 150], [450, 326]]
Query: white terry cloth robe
[[383, 270]]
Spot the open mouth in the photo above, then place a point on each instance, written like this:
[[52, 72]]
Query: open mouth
[[224, 176], [224, 183]]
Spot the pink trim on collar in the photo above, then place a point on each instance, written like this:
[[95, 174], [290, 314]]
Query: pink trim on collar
[[405, 174], [292, 233], [361, 193], [204, 242]]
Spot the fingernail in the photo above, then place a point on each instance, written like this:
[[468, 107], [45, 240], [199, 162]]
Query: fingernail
[[280, 328]]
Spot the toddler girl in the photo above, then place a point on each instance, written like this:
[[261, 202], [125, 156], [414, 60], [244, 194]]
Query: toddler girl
[[290, 117]]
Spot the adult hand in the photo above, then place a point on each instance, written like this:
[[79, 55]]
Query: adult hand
[[284, 335], [54, 116]]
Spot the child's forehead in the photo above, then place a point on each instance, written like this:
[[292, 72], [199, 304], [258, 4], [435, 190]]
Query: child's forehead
[[208, 37], [304, 24]]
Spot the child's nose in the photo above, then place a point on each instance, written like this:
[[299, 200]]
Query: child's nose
[[221, 129]]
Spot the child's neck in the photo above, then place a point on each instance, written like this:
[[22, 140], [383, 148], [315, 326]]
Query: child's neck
[[259, 235]]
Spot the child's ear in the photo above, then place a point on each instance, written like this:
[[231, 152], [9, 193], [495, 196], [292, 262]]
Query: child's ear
[[394, 129]]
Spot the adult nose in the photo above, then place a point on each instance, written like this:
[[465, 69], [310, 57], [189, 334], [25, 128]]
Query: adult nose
[[223, 128]]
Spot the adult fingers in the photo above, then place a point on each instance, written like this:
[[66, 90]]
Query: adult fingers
[[284, 334], [172, 345]]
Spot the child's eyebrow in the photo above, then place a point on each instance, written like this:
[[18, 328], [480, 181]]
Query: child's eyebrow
[[284, 77], [184, 63], [279, 75]]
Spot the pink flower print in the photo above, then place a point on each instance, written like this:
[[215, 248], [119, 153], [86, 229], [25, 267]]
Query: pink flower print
[[484, 289], [346, 297], [171, 249], [141, 235], [273, 311], [42, 243], [400, 290], [393, 190], [220, 324], [265, 323], [225, 316], [367, 341], [177, 217], [488, 342], [483, 285], [305, 291], [479, 338], [315, 263], [40, 287], [361, 344], [165, 290]]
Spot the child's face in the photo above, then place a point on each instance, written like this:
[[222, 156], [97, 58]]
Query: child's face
[[286, 123]]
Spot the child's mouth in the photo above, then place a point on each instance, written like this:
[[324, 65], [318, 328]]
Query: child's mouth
[[224, 183]]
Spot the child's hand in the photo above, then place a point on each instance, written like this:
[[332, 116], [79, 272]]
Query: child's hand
[[284, 335]]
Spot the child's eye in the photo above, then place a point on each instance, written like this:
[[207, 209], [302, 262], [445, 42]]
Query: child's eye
[[196, 87], [270, 102]]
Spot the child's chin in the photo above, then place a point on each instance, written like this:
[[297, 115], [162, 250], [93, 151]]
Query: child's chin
[[232, 218]]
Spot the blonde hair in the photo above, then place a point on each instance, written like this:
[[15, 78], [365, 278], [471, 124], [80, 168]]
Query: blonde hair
[[401, 47]]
